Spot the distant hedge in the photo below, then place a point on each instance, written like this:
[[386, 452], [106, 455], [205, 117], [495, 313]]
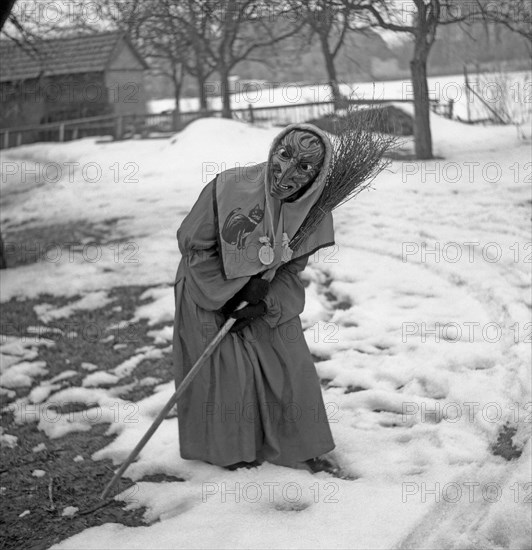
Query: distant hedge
[[387, 119]]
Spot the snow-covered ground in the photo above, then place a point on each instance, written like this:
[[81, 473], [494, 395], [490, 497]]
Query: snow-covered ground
[[420, 316]]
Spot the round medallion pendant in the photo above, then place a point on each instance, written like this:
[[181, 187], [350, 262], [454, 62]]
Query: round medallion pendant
[[266, 255]]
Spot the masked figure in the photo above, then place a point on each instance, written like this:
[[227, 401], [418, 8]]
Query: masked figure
[[258, 397]]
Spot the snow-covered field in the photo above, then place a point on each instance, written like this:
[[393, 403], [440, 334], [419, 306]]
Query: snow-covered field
[[420, 316], [509, 92]]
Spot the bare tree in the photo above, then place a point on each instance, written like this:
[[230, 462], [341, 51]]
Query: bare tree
[[163, 41], [172, 34], [420, 19], [198, 37], [515, 15], [240, 28], [158, 31], [197, 24], [421, 23], [330, 21]]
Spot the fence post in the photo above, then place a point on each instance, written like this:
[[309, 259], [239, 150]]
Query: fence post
[[251, 114], [450, 108], [6, 139], [175, 120], [61, 132], [19, 139], [468, 94], [119, 124]]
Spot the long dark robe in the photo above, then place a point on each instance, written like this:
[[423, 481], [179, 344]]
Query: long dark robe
[[259, 396]]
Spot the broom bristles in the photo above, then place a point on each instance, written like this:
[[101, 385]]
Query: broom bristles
[[358, 157]]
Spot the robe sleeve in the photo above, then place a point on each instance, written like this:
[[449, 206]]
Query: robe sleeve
[[201, 265], [286, 297]]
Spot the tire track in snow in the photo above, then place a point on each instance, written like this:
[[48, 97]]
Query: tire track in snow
[[494, 305], [446, 520], [462, 519], [458, 520]]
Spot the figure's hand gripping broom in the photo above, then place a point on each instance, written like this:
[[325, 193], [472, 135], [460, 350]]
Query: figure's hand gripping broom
[[357, 159]]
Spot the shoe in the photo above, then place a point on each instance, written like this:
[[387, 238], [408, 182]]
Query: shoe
[[247, 465], [320, 464]]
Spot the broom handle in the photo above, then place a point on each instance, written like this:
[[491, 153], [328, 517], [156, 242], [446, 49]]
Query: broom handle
[[172, 401]]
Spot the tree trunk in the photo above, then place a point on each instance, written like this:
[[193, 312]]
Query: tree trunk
[[177, 97], [178, 82], [422, 132], [202, 92], [226, 96], [177, 79], [200, 77], [331, 71]]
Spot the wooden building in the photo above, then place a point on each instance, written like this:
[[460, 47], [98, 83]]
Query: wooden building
[[69, 78]]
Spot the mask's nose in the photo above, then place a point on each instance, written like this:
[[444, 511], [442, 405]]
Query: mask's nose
[[287, 170]]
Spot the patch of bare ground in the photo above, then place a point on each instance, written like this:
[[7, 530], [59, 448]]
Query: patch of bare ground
[[32, 506], [101, 337], [31, 242]]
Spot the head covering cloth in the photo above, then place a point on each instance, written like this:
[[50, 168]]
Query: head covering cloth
[[244, 211]]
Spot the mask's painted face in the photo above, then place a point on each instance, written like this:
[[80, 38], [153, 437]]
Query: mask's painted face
[[295, 163]]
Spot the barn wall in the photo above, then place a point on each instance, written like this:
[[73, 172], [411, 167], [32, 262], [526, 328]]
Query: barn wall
[[124, 58], [125, 82], [53, 99], [126, 91], [77, 96], [20, 103]]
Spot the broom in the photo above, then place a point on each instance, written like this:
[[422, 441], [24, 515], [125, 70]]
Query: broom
[[358, 157]]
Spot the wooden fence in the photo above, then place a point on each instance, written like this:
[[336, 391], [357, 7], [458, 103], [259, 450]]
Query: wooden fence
[[127, 126], [116, 126]]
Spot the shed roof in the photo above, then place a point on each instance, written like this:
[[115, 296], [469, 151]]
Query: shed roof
[[66, 55]]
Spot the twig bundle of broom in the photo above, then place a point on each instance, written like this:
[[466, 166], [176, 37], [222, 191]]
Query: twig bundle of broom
[[358, 157]]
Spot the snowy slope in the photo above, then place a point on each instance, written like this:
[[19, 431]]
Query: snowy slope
[[426, 353]]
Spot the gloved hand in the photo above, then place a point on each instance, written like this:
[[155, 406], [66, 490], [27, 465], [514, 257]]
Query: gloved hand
[[247, 314], [252, 292]]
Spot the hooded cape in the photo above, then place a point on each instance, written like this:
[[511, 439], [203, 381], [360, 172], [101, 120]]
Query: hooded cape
[[244, 214]]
